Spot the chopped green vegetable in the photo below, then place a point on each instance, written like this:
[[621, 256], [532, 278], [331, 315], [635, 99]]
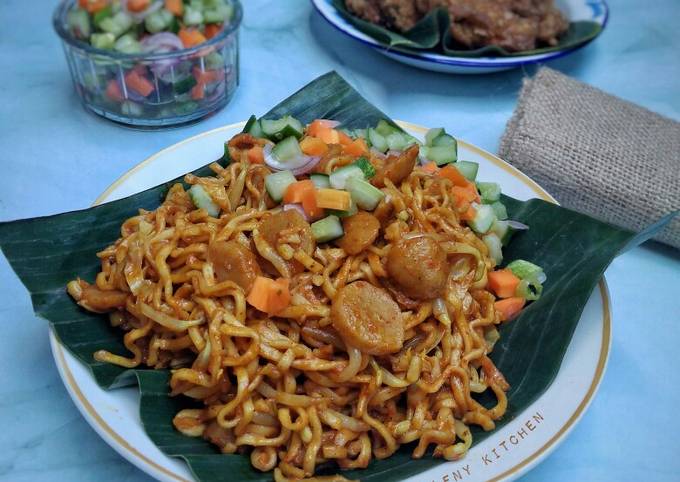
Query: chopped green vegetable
[[495, 246], [158, 21], [277, 183], [483, 219], [79, 22], [377, 140], [489, 191], [339, 177], [432, 134], [287, 149], [445, 140], [127, 44], [440, 155], [499, 209], [327, 229], [320, 181], [104, 40], [366, 167], [468, 169], [185, 85], [279, 129], [529, 289], [525, 269], [202, 200], [192, 16], [364, 193]]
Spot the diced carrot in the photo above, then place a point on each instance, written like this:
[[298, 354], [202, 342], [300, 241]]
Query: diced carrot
[[256, 155], [503, 282], [212, 29], [469, 215], [113, 91], [313, 146], [198, 91], [452, 174], [138, 5], [268, 295], [509, 307], [333, 199], [430, 167], [176, 7], [208, 76], [93, 6], [329, 136], [356, 148], [191, 37], [294, 192], [138, 83], [344, 139], [465, 194], [318, 125], [312, 210]]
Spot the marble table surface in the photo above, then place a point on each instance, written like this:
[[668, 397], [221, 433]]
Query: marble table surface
[[56, 157]]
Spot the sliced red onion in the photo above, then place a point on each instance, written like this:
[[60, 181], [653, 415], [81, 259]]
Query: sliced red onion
[[162, 42], [301, 165], [517, 225], [139, 17], [394, 152], [296, 207], [380, 155]]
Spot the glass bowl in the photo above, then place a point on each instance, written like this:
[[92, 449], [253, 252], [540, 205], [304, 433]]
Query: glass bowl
[[184, 86]]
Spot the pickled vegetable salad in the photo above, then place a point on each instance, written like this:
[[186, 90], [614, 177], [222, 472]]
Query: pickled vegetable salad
[[132, 26], [327, 196]]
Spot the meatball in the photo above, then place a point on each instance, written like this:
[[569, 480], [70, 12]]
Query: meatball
[[419, 267], [368, 318], [234, 262], [360, 232]]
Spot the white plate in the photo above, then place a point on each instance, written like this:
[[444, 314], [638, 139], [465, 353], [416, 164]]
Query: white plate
[[518, 446], [575, 10]]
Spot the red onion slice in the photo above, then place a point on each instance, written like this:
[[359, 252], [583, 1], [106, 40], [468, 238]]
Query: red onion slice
[[517, 225], [298, 166], [161, 42], [375, 152], [296, 207]]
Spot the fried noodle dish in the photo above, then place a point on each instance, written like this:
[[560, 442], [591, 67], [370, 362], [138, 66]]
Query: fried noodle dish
[[325, 297]]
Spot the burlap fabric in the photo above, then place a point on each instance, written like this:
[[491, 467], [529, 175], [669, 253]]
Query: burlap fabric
[[596, 153]]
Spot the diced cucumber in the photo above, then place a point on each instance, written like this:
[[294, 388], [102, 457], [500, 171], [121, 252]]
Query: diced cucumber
[[339, 177], [217, 13], [214, 60], [192, 16], [101, 15], [320, 181], [365, 166], [502, 230], [185, 85], [202, 200], [384, 128], [396, 141], [117, 24], [483, 219], [287, 149], [254, 128], [377, 140], [158, 21], [281, 128], [489, 191], [104, 40], [432, 134], [78, 21], [441, 155], [525, 269], [128, 44], [277, 183], [499, 209], [362, 133], [493, 242], [445, 140], [529, 289], [353, 209], [364, 193], [468, 169], [327, 229]]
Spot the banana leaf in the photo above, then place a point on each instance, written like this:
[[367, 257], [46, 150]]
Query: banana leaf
[[432, 34], [573, 249]]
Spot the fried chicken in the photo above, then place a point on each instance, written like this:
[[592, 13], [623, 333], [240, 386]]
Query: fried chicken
[[514, 25]]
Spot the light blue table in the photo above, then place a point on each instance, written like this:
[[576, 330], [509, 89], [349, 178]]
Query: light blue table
[[55, 157]]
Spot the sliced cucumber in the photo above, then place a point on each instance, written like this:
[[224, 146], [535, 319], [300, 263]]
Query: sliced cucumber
[[493, 242], [396, 141], [468, 169], [502, 229], [432, 134], [362, 133], [287, 149], [483, 219], [445, 140], [254, 128], [202, 200], [320, 181], [365, 166], [384, 128], [327, 229], [192, 16], [364, 193], [489, 191], [277, 183], [377, 140], [441, 155], [279, 129], [499, 209], [525, 269], [158, 21], [339, 177], [104, 40]]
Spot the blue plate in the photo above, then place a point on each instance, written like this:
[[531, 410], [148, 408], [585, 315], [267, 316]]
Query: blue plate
[[575, 10]]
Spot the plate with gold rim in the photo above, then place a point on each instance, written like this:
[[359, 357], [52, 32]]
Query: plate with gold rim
[[505, 455]]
